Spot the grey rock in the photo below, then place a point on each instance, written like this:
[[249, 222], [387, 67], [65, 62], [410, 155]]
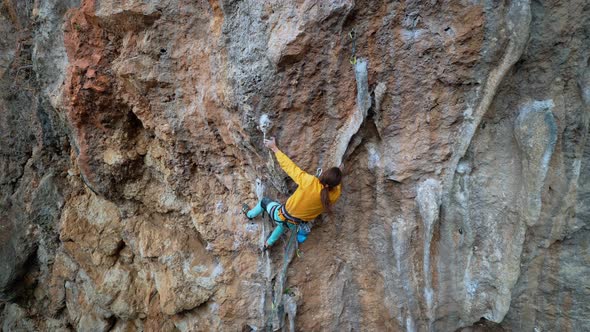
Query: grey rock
[[536, 133]]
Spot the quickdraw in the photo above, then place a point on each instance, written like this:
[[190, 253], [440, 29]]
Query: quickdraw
[[318, 172], [352, 35]]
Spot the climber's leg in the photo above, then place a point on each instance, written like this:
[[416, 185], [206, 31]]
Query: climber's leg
[[257, 210], [245, 210], [280, 229], [267, 204], [276, 234], [263, 204]]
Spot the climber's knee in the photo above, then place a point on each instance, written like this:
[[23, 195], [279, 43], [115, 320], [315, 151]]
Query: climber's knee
[[264, 202]]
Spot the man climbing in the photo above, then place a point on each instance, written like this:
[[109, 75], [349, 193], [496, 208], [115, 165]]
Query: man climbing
[[312, 197]]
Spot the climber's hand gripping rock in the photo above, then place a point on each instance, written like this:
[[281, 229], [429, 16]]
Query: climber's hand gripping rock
[[271, 144]]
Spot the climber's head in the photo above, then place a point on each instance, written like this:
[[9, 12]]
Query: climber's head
[[330, 179]]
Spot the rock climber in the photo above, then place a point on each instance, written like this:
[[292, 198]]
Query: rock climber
[[312, 197]]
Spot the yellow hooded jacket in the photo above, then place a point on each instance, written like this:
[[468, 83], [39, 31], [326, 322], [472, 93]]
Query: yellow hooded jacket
[[305, 203]]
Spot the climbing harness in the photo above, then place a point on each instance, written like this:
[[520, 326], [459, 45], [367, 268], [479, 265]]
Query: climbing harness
[[352, 35], [289, 218], [283, 212], [271, 213]]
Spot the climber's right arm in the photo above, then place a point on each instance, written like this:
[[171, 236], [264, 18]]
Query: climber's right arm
[[296, 173]]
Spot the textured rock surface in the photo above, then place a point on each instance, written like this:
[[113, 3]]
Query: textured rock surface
[[129, 139]]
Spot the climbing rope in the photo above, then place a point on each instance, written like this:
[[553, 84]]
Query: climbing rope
[[287, 250], [277, 304]]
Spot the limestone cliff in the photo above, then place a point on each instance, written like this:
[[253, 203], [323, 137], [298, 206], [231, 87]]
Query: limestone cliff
[[129, 137]]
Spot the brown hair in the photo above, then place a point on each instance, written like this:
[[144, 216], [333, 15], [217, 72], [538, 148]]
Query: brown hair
[[330, 179]]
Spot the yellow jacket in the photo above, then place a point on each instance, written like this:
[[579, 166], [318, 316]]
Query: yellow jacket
[[305, 203]]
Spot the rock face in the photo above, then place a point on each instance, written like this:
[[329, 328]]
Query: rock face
[[129, 138]]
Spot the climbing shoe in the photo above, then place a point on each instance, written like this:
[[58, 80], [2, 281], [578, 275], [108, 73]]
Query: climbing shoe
[[245, 209]]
